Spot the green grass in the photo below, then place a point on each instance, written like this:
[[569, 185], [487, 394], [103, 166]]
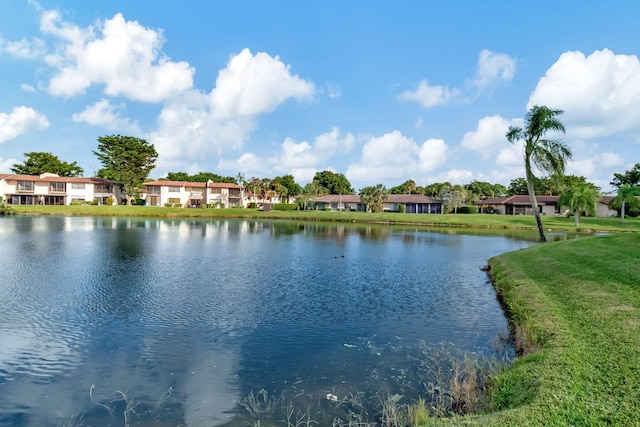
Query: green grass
[[522, 222], [580, 300]]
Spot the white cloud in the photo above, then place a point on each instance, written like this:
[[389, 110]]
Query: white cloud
[[255, 84], [489, 136], [394, 156], [305, 155], [600, 93], [510, 155], [430, 96], [493, 68], [102, 113], [23, 48], [247, 163], [27, 88], [5, 165], [21, 120], [197, 124], [122, 55], [454, 176]]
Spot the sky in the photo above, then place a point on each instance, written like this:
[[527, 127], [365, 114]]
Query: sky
[[381, 91]]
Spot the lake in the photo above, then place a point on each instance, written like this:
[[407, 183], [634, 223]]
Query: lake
[[161, 322]]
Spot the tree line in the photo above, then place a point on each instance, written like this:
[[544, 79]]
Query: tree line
[[128, 161]]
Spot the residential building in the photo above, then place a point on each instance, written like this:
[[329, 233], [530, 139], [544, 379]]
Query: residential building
[[193, 194], [548, 205], [51, 189], [413, 203]]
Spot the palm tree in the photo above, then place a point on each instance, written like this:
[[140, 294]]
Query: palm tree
[[626, 198], [548, 155], [579, 198], [374, 197]]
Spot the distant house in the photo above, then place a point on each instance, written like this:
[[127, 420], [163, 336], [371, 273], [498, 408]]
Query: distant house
[[51, 189], [519, 205], [413, 203], [548, 205], [193, 194]]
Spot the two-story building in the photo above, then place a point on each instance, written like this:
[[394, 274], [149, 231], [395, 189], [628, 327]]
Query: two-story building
[[193, 194], [51, 189]]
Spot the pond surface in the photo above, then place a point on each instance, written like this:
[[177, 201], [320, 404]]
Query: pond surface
[[195, 322]]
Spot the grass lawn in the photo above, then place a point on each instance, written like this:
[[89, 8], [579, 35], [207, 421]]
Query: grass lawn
[[524, 222], [576, 304]]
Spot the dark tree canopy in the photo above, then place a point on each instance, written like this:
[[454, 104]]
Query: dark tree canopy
[[126, 160], [630, 177], [407, 187], [288, 183], [36, 163], [484, 190], [334, 183], [199, 177]]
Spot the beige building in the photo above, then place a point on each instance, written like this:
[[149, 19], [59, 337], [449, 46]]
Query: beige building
[[51, 189], [193, 194]]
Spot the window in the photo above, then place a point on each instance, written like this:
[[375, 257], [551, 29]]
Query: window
[[234, 193], [174, 189], [25, 185], [102, 188], [216, 190], [171, 200], [153, 190], [77, 186], [56, 187]]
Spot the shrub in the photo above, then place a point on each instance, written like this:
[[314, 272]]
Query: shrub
[[467, 209], [401, 207], [95, 202], [108, 201], [284, 207], [252, 205]]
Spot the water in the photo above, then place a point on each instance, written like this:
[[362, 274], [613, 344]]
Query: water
[[185, 320]]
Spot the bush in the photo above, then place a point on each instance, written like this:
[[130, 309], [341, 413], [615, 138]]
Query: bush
[[172, 205], [401, 207], [284, 207], [252, 205], [109, 201], [94, 202], [467, 209]]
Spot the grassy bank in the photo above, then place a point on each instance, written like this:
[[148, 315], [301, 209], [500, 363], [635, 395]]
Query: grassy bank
[[524, 222], [576, 305]]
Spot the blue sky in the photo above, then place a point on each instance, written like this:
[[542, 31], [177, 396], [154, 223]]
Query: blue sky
[[380, 91]]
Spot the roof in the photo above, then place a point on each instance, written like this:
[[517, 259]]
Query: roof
[[175, 184], [393, 198], [50, 177], [519, 200], [167, 183]]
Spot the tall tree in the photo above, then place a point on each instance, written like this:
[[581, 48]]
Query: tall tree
[[581, 197], [626, 199], [374, 197], [126, 160], [452, 197], [310, 191], [37, 162], [548, 155], [335, 183], [289, 183], [630, 177]]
